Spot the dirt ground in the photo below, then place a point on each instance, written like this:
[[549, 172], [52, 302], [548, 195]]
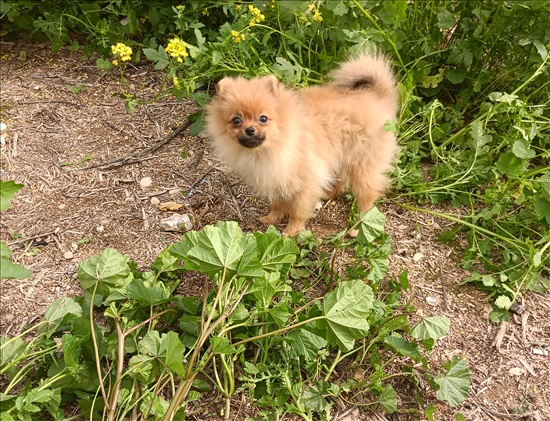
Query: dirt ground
[[62, 118]]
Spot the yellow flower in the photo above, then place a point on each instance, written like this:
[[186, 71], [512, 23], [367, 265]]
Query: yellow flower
[[176, 48], [238, 7], [237, 37], [257, 16], [176, 82], [115, 62], [122, 51], [317, 16]]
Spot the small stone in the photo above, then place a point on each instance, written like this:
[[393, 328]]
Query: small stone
[[100, 228], [155, 201], [3, 126], [516, 371], [36, 87], [177, 222], [74, 246], [68, 255], [146, 182], [433, 301], [417, 257], [62, 206]]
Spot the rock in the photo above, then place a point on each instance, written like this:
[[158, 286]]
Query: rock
[[177, 222], [155, 201], [146, 182], [417, 257], [68, 255]]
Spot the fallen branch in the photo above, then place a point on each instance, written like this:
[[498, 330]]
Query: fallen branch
[[142, 154]]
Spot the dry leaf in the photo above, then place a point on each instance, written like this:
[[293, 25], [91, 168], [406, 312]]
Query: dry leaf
[[170, 206]]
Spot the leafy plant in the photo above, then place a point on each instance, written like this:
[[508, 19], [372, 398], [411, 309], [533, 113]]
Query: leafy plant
[[8, 269], [156, 351]]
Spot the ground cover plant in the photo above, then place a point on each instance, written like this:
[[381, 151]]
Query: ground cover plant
[[474, 130]]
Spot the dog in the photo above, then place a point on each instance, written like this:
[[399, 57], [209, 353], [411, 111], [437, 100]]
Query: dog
[[297, 147]]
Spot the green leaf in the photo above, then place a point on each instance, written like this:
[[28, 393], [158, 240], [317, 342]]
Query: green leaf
[[158, 56], [371, 226], [503, 302], [388, 399], [221, 345], [522, 150], [454, 386], [445, 20], [509, 163], [10, 349], [478, 138], [275, 252], [314, 398], [109, 270], [173, 350], [8, 189], [145, 293], [306, 344], [150, 344], [542, 208], [8, 269], [402, 346], [218, 248], [431, 328], [456, 76], [104, 64], [61, 312], [347, 309]]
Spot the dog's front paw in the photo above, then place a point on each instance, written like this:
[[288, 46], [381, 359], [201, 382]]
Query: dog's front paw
[[269, 219]]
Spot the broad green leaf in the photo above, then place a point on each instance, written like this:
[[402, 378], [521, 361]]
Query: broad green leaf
[[145, 293], [314, 398], [522, 149], [8, 269], [110, 270], [431, 328], [61, 312], [10, 349], [275, 252], [280, 313], [371, 225], [454, 385], [346, 310], [220, 247], [306, 344], [158, 56], [150, 344], [509, 163], [8, 189], [221, 345], [542, 208], [140, 367], [173, 350], [503, 302], [445, 20], [388, 399], [456, 76], [402, 346]]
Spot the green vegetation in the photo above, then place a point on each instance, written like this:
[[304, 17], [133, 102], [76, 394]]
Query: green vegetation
[[251, 331], [475, 132]]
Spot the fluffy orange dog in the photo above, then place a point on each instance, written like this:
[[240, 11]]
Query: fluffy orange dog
[[298, 147]]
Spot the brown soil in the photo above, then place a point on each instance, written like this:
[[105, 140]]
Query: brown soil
[[66, 213]]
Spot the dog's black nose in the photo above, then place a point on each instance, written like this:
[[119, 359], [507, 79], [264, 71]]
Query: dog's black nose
[[250, 131]]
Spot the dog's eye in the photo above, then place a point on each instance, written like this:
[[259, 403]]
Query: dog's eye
[[262, 119], [236, 121]]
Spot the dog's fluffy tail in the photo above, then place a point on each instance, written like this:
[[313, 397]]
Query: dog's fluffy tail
[[368, 71]]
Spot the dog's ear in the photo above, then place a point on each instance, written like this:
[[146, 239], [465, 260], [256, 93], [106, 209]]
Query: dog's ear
[[221, 86], [272, 83]]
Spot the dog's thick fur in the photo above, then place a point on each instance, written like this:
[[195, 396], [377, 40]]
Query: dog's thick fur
[[298, 147]]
